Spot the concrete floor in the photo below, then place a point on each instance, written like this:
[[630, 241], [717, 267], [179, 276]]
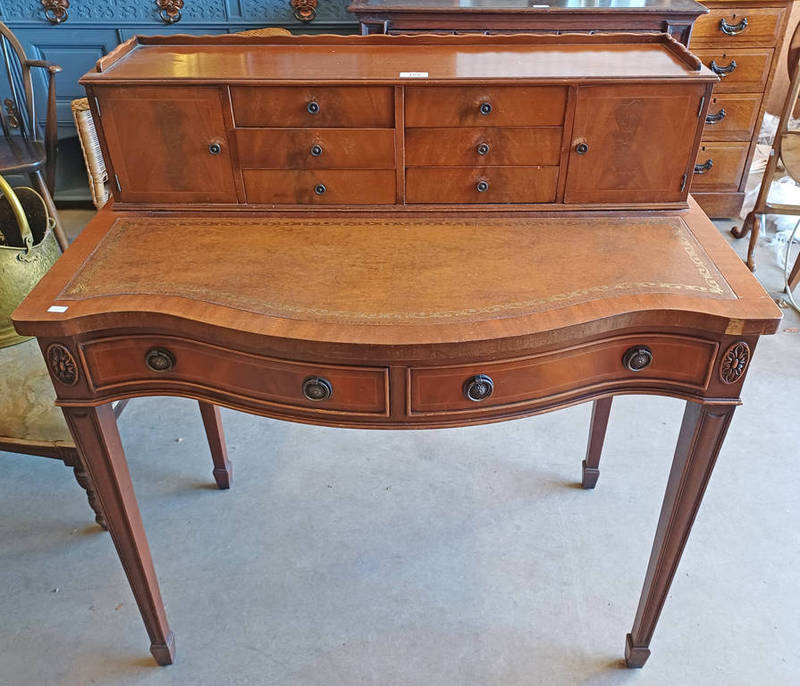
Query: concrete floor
[[452, 557]]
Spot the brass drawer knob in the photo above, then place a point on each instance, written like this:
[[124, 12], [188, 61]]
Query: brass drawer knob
[[312, 107], [483, 148], [705, 167], [316, 388], [485, 108], [582, 148], [478, 388], [316, 150], [320, 189], [732, 29], [215, 148], [159, 360], [482, 186], [637, 358]]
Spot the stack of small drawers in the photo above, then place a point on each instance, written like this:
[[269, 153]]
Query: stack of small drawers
[[740, 44]]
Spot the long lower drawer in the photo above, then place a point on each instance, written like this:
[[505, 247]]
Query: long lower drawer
[[481, 184], [320, 187], [719, 166]]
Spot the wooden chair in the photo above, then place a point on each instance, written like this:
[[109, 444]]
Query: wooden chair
[[785, 153], [22, 150]]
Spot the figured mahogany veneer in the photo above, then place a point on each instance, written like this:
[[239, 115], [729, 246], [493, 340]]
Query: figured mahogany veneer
[[507, 122]]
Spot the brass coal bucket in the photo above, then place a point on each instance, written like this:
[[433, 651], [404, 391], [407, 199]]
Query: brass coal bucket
[[28, 248]]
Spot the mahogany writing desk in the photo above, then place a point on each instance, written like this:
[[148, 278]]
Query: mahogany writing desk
[[400, 322]]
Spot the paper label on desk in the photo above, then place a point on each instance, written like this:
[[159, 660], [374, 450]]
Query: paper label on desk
[[413, 75], [58, 308]]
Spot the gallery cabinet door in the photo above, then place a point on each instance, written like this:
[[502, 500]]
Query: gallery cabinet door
[[167, 144], [632, 144]]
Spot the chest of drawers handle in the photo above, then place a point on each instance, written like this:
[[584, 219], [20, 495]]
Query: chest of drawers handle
[[316, 388], [705, 167], [483, 148], [159, 360], [320, 189], [478, 388], [722, 71], [637, 358], [215, 148], [582, 148], [482, 186], [316, 150], [716, 118], [313, 107], [732, 29], [485, 108]]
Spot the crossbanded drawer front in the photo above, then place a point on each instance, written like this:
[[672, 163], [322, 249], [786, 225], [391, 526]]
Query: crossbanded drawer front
[[719, 166], [320, 187], [483, 146], [313, 106], [315, 148], [485, 106], [754, 26], [731, 116], [684, 361], [741, 70], [481, 184], [139, 360]]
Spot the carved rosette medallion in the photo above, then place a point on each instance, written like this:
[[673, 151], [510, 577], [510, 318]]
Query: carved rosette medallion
[[305, 10], [62, 364], [734, 362], [169, 10], [55, 11]]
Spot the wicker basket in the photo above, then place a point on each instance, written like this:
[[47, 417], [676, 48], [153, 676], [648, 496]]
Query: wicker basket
[[92, 155]]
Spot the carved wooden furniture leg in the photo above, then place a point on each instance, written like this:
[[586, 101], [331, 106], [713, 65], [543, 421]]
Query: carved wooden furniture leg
[[751, 247], [212, 421], [699, 442], [72, 458], [747, 224], [601, 408], [95, 433]]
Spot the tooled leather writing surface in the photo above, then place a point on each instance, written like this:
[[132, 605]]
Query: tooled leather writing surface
[[399, 272]]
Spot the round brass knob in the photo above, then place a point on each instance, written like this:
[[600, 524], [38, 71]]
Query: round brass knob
[[482, 186], [159, 360], [313, 107], [582, 148], [320, 189], [478, 388], [215, 148], [637, 358], [485, 108], [316, 150], [316, 388], [483, 148]]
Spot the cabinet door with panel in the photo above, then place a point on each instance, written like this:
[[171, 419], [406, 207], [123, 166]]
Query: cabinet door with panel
[[167, 144], [631, 144]]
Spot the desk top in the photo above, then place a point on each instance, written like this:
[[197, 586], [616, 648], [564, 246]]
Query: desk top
[[379, 58], [399, 280]]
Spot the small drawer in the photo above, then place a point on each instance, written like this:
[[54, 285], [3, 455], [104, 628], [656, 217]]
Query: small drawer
[[740, 25], [731, 116], [485, 106], [313, 106], [320, 187], [741, 70], [484, 146], [315, 148], [676, 360], [719, 166], [481, 184], [146, 360]]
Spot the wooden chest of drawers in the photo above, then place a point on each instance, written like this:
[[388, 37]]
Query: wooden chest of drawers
[[401, 122], [741, 42]]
